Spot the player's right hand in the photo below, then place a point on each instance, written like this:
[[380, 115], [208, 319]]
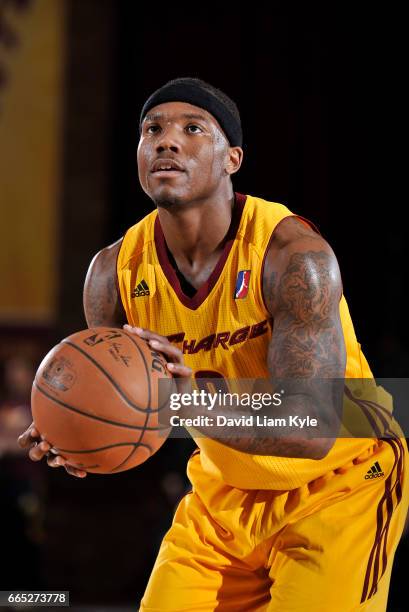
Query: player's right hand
[[39, 448]]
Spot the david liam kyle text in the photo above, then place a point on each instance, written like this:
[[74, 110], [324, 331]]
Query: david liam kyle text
[[252, 420]]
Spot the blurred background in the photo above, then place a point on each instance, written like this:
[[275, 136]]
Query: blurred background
[[319, 88]]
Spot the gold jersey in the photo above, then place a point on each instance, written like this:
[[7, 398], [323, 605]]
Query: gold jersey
[[224, 330]]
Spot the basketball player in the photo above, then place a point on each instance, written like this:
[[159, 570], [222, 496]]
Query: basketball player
[[233, 286]]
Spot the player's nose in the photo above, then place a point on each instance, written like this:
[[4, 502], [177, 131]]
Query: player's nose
[[168, 140]]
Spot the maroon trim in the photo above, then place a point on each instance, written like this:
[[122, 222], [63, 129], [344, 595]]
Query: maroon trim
[[366, 410], [379, 411], [268, 247], [262, 271], [390, 508], [377, 407], [201, 294], [400, 469], [379, 521], [116, 276], [310, 223], [383, 531], [195, 452], [398, 488], [389, 511]]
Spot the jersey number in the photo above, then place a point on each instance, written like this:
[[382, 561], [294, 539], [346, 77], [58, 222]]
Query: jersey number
[[202, 381]]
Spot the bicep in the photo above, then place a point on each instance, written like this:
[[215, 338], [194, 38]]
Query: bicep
[[307, 336], [102, 304]]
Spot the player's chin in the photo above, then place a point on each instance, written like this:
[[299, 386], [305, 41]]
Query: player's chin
[[169, 195]]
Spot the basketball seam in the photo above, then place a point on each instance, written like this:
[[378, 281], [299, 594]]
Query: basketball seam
[[130, 455], [92, 416], [165, 403], [148, 409], [95, 450], [135, 445], [148, 378]]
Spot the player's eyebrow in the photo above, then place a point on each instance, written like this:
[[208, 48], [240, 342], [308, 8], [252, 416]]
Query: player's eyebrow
[[195, 116], [158, 116]]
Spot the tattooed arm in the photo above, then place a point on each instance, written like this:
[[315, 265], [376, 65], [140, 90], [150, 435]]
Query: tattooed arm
[[302, 289], [102, 304]]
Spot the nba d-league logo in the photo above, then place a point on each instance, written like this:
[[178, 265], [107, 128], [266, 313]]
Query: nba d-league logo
[[242, 284]]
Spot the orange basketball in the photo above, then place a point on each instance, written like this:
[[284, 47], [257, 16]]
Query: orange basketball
[[95, 399]]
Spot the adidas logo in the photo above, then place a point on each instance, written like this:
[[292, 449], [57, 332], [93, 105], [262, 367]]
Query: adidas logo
[[141, 289], [374, 472]]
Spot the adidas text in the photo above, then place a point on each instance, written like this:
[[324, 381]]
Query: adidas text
[[141, 289], [374, 472]]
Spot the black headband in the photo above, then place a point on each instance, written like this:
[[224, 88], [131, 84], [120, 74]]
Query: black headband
[[198, 96]]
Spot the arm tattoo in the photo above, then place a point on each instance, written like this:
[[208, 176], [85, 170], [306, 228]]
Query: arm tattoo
[[307, 339], [101, 302]]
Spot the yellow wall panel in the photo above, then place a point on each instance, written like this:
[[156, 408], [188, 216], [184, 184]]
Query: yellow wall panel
[[31, 107]]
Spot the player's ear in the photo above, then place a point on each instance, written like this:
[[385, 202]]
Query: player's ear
[[234, 160]]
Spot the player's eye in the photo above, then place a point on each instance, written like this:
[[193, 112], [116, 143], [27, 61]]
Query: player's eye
[[194, 129], [152, 129]]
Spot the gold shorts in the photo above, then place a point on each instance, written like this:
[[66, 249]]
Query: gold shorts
[[326, 546]]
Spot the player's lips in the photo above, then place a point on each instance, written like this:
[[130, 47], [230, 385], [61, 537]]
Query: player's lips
[[166, 166]]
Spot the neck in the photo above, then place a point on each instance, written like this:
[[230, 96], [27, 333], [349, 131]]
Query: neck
[[195, 232]]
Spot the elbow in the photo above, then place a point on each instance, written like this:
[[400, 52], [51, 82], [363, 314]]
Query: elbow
[[319, 448]]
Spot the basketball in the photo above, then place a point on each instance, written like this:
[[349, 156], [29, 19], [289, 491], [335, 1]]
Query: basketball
[[95, 399]]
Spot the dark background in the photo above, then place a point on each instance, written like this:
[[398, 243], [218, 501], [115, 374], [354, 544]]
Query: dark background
[[319, 90]]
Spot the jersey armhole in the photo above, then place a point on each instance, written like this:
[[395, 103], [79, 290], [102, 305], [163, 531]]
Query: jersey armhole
[[117, 278], [305, 222]]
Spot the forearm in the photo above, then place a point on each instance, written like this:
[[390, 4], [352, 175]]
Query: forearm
[[295, 435], [299, 426]]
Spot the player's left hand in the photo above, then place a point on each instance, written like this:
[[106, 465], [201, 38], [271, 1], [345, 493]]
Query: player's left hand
[[175, 364]]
